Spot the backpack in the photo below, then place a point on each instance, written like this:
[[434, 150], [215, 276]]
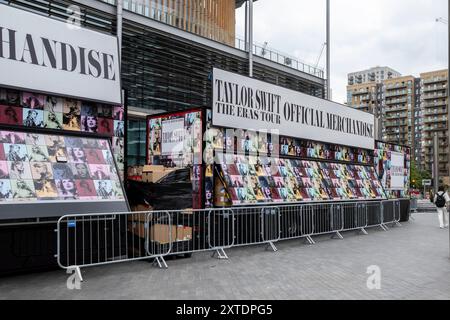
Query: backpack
[[440, 200]]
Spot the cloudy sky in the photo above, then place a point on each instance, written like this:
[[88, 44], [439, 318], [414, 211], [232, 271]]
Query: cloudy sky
[[401, 34]]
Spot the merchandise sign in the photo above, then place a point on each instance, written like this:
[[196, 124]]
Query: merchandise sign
[[397, 171], [246, 103], [173, 135], [42, 54]]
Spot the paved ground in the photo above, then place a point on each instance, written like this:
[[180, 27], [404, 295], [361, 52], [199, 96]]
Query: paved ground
[[414, 262]]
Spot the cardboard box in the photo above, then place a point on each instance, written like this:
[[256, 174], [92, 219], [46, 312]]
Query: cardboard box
[[160, 233], [152, 168], [154, 176]]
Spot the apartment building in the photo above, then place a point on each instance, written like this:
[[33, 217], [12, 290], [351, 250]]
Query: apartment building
[[398, 110], [376, 74], [435, 113], [365, 96]]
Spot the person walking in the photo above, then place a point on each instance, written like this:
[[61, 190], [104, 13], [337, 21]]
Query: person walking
[[441, 198]]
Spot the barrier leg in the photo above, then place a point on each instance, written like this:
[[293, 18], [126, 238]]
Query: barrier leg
[[309, 240], [337, 235], [384, 227], [272, 246], [363, 231], [220, 254], [161, 262]]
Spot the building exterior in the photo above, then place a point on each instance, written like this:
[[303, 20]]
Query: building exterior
[[365, 96], [376, 74], [169, 48], [435, 112], [398, 110], [212, 19]]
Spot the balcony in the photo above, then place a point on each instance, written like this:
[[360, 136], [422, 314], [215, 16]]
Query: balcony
[[434, 128], [428, 104], [395, 101], [435, 88], [434, 95], [434, 80], [395, 93], [395, 116], [435, 120], [396, 124], [395, 108], [433, 112], [396, 86], [360, 92]]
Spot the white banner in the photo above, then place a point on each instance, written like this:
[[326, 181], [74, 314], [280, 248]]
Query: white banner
[[45, 55], [173, 135], [397, 171], [246, 103]]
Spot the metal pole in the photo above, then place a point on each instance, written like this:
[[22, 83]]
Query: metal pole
[[246, 27], [119, 35], [448, 100], [250, 38], [328, 52], [436, 162]]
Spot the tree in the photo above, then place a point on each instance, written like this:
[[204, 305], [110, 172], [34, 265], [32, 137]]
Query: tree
[[417, 175]]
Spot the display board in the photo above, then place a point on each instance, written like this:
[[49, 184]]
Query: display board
[[43, 54], [56, 170], [174, 140], [246, 103], [40, 111], [393, 165], [250, 180]]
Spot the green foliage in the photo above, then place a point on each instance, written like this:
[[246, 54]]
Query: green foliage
[[417, 175]]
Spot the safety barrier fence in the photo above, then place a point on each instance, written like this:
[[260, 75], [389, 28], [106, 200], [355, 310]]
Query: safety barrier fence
[[85, 240]]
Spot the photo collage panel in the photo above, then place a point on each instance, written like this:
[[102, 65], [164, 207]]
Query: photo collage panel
[[50, 167], [57, 113], [382, 164], [252, 180], [191, 151]]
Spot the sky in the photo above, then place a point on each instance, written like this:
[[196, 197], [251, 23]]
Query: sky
[[401, 34]]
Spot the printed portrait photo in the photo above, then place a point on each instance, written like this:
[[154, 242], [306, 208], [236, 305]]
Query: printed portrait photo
[[53, 120], [33, 101], [45, 189], [105, 111], [38, 153], [11, 115], [119, 113], [80, 171], [89, 124], [41, 170], [15, 152], [4, 171], [6, 192], [94, 156], [77, 155], [119, 129], [12, 137], [72, 115], [91, 143], [62, 171], [107, 155], [19, 170], [86, 189], [117, 192], [66, 188], [99, 172], [54, 141], [2, 152], [105, 126], [11, 97], [23, 189], [53, 104], [33, 118], [103, 188], [34, 139]]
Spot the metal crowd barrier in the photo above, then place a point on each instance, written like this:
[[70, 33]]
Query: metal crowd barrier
[[85, 240]]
